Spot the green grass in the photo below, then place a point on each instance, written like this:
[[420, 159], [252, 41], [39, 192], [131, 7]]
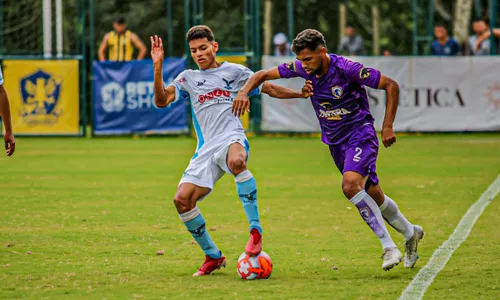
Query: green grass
[[93, 213]]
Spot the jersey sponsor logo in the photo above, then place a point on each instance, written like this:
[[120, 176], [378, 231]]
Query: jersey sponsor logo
[[332, 114], [364, 73], [181, 80], [40, 92], [217, 94], [200, 83], [228, 83], [291, 66], [337, 91]]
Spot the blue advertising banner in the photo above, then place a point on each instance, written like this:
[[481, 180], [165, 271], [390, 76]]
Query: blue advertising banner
[[124, 99]]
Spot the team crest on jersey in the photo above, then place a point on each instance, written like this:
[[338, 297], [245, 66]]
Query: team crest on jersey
[[291, 66], [228, 83], [337, 91], [364, 73]]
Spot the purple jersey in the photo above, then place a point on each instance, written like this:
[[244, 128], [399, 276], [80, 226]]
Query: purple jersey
[[340, 98]]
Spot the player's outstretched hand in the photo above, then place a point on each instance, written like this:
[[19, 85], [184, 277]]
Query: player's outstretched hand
[[388, 136], [156, 49], [307, 89], [241, 104], [10, 144]]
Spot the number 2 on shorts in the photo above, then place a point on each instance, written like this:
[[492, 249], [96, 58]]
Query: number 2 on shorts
[[357, 157]]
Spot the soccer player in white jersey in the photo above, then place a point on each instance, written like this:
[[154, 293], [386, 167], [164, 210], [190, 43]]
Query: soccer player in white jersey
[[222, 144], [8, 137]]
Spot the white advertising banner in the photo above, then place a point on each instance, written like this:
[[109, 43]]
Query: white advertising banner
[[436, 94]]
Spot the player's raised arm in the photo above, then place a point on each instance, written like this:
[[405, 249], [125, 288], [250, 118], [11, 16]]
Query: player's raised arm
[[241, 102], [163, 96], [391, 88]]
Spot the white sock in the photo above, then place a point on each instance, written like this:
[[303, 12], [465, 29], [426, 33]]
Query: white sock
[[395, 218], [370, 212]]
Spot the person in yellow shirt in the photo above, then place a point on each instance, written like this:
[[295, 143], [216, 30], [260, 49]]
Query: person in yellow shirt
[[121, 43]]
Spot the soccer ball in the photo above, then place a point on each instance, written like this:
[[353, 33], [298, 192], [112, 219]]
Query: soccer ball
[[254, 267]]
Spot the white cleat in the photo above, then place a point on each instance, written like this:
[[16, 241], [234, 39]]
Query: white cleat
[[411, 245], [392, 257]]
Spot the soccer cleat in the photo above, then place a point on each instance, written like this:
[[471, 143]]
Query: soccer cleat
[[411, 245], [210, 265], [392, 257], [254, 245]]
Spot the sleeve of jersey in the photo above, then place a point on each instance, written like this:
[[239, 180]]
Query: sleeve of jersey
[[246, 74], [358, 73], [290, 69], [180, 85]]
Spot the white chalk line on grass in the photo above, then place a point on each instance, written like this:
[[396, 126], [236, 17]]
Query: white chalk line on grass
[[417, 287]]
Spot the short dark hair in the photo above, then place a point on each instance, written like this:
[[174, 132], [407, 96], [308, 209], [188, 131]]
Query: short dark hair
[[308, 39], [120, 20], [199, 32], [479, 19], [440, 25]]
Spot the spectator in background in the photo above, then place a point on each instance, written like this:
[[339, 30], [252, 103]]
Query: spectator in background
[[281, 45], [486, 37], [479, 43], [387, 52], [351, 44], [444, 45], [121, 43]]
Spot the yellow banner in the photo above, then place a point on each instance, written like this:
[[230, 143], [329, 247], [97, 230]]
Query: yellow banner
[[44, 96]]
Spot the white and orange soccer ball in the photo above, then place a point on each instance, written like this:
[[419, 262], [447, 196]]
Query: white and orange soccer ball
[[254, 267]]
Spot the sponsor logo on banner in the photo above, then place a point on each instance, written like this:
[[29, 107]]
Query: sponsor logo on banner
[[422, 97], [494, 94], [40, 92], [137, 95]]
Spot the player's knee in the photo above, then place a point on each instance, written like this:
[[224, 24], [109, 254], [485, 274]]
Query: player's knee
[[181, 202], [351, 187], [237, 165]]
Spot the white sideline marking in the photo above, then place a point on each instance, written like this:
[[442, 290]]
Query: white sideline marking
[[417, 287]]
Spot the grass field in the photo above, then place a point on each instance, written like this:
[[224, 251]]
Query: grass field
[[87, 216]]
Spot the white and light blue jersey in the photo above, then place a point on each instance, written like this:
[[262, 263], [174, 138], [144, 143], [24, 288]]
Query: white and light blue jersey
[[211, 93]]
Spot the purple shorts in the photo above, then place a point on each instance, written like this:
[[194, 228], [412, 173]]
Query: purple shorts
[[359, 153]]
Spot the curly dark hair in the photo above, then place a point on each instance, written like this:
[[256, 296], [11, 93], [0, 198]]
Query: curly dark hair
[[199, 32], [308, 39]]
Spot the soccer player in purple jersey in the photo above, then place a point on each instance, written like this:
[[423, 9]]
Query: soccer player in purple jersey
[[341, 104]]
